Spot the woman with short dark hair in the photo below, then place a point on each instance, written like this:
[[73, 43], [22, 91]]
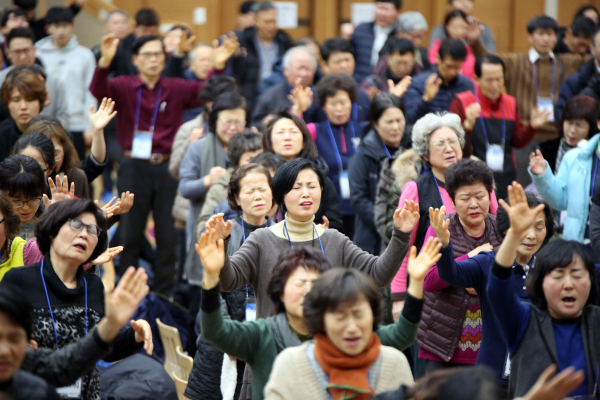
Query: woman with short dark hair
[[67, 300], [38, 147]]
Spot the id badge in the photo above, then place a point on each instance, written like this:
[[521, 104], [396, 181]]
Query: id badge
[[250, 309], [494, 157], [546, 104], [142, 145], [344, 185], [563, 217], [70, 392], [506, 369]]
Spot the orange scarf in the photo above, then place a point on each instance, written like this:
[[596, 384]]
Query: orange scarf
[[348, 376]]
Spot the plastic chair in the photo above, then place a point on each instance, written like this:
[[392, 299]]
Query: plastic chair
[[185, 363], [170, 340], [180, 385]]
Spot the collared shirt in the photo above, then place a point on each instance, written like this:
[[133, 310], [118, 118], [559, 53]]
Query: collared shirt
[[267, 55], [177, 96], [534, 55], [381, 35]]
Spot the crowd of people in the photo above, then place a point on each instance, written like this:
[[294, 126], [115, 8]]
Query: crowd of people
[[374, 216]]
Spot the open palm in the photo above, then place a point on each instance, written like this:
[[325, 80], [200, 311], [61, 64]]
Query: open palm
[[521, 216], [212, 252], [418, 266], [407, 217], [440, 224], [221, 228]]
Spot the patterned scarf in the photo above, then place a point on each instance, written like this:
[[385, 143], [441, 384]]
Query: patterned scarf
[[348, 376]]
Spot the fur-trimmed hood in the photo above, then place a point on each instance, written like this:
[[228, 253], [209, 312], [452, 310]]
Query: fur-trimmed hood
[[407, 167]]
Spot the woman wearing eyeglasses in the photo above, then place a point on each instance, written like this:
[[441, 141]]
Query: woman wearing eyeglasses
[[68, 302]]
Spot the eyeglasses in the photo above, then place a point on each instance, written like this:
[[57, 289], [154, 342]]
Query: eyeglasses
[[147, 56], [441, 144], [3, 219], [233, 122], [22, 52], [301, 284], [57, 154], [30, 203], [78, 226]]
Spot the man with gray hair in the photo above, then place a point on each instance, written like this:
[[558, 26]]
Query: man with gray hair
[[298, 63], [412, 25], [263, 45]]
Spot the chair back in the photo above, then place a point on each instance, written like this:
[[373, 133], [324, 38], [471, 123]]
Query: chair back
[[185, 363], [180, 385], [170, 340]]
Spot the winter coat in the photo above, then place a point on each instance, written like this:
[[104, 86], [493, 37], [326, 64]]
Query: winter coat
[[215, 196], [573, 85], [569, 189], [362, 40]]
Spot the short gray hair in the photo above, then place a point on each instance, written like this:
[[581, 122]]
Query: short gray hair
[[412, 21], [430, 123], [193, 52], [260, 6], [118, 11], [287, 58]]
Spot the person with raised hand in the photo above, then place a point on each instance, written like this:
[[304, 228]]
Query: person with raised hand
[[560, 321], [474, 273]]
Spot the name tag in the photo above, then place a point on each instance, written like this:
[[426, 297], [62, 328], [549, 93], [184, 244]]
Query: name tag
[[70, 392], [506, 369], [142, 145], [250, 311], [546, 104], [344, 185], [494, 157]]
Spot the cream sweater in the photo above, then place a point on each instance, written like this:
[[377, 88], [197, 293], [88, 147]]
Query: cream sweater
[[293, 378]]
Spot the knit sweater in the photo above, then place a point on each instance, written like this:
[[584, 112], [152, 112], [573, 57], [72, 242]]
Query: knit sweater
[[293, 376], [252, 263]]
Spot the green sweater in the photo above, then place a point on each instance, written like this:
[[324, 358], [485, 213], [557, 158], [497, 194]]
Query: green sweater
[[254, 341]]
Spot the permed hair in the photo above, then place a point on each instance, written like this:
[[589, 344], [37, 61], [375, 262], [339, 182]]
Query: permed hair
[[242, 142], [468, 172], [333, 83], [235, 183], [427, 125], [412, 21]]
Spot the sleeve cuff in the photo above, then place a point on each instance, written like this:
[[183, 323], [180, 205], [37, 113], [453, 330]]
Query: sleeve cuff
[[447, 249], [412, 309], [210, 301], [501, 272], [101, 343], [399, 296], [98, 163], [401, 234]]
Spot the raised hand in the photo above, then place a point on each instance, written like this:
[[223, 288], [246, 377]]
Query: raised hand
[[196, 134], [475, 29], [432, 87], [401, 88], [538, 117], [418, 266], [520, 215], [125, 203], [185, 44], [301, 98], [108, 49], [108, 255], [143, 333], [556, 388], [214, 174], [537, 164], [229, 46], [60, 191], [440, 224], [216, 222], [472, 113], [110, 207], [104, 115], [212, 253], [325, 224], [407, 217]]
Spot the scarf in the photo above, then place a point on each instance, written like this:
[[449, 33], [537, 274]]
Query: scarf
[[284, 336], [348, 376]]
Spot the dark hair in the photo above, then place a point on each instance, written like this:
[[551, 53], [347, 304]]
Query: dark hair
[[216, 86], [503, 222], [581, 107], [542, 22], [468, 172], [581, 11], [269, 160], [235, 183], [22, 177], [309, 148], [28, 83], [58, 214], [182, 27], [336, 45], [331, 84], [488, 59], [53, 129], [451, 15], [147, 17], [227, 101], [20, 32], [285, 177], [39, 142], [25, 4], [35, 68], [17, 307], [57, 15], [288, 262], [304, 41], [336, 287], [242, 142], [18, 12], [12, 220], [140, 42], [454, 48], [559, 255], [399, 45], [381, 102], [246, 7], [583, 27], [396, 3]]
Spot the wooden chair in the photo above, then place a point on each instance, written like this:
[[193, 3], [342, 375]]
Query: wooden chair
[[185, 363], [180, 385], [170, 340]]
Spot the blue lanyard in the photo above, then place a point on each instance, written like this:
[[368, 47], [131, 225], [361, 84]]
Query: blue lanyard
[[537, 92], [438, 186], [244, 231], [483, 122], [354, 113], [139, 105], [337, 152], [387, 152], [50, 306], [594, 176], [314, 227]]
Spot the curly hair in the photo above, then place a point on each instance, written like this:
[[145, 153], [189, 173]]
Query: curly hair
[[235, 183], [426, 126], [468, 172], [331, 84]]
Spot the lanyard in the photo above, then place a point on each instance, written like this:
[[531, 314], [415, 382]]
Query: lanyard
[[50, 306], [438, 186], [139, 105], [314, 227], [537, 92], [354, 113], [244, 231], [594, 176], [483, 122], [387, 152], [337, 152]]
